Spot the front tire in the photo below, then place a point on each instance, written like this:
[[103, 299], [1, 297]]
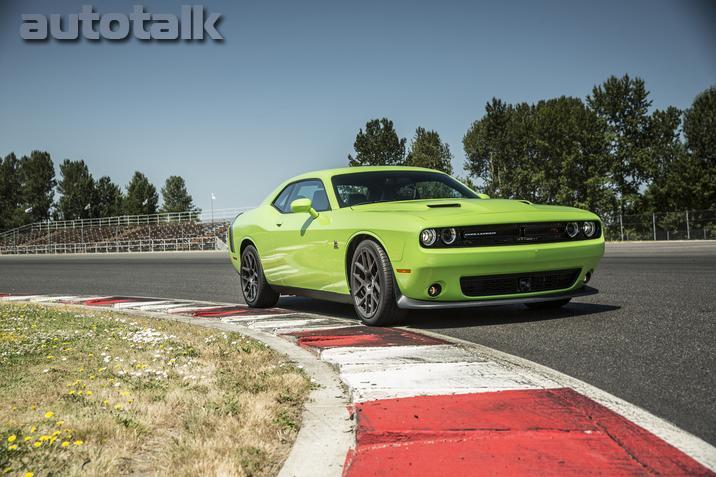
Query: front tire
[[256, 290], [547, 305], [373, 286]]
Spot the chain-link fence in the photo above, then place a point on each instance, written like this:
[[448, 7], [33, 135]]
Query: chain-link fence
[[682, 225]]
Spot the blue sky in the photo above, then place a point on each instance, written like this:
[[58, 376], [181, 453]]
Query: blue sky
[[293, 81]]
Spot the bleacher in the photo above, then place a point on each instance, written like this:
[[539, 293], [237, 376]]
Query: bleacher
[[147, 233]]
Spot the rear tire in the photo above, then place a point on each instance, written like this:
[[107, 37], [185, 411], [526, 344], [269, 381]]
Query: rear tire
[[373, 286], [256, 290], [547, 305]]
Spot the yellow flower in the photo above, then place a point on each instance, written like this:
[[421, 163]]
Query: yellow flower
[[12, 447], [89, 393], [49, 356], [44, 438], [29, 474], [33, 429], [59, 423], [12, 438], [37, 444], [78, 442], [27, 438], [118, 407], [49, 415], [65, 444], [71, 393], [57, 433]]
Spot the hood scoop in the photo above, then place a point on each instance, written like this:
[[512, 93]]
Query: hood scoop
[[443, 206]]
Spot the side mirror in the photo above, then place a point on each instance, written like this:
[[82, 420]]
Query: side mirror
[[303, 205], [483, 196]]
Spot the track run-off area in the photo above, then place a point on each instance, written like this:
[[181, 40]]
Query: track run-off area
[[647, 338]]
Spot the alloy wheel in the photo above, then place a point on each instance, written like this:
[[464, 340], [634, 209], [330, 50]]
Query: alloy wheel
[[250, 277], [366, 282]]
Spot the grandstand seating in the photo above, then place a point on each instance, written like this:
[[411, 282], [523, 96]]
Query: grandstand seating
[[122, 235]]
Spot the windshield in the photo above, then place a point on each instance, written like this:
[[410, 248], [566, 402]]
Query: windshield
[[390, 186]]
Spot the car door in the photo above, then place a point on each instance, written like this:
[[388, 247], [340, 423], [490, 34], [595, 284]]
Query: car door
[[305, 244], [271, 248]]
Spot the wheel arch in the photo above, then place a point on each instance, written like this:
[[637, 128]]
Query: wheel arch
[[351, 247], [245, 242]]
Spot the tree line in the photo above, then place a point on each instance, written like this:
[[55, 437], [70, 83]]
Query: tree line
[[610, 153], [28, 187]]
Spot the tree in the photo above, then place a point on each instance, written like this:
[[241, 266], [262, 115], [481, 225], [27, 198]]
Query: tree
[[426, 150], [379, 145], [700, 132], [9, 192], [175, 196], [623, 104], [568, 156], [37, 179], [108, 198], [496, 148], [77, 189], [551, 152], [141, 197]]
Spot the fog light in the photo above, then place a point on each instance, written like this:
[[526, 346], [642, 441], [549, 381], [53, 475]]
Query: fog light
[[434, 290]]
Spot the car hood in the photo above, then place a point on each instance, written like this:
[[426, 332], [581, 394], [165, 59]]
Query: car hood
[[477, 211]]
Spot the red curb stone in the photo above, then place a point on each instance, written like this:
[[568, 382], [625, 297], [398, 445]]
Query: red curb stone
[[525, 432], [362, 336]]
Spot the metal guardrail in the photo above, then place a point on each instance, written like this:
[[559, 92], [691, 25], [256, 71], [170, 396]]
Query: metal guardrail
[[218, 215], [118, 246], [684, 225]]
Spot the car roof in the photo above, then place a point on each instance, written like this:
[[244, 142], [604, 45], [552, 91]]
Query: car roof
[[325, 173]]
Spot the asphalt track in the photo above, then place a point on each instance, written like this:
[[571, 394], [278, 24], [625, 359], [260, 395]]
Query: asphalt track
[[648, 337]]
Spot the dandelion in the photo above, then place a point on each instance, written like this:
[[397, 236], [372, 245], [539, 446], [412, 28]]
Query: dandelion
[[29, 474], [37, 444], [12, 447], [12, 438], [78, 442], [65, 444], [49, 415], [27, 438], [117, 407], [59, 423], [33, 429]]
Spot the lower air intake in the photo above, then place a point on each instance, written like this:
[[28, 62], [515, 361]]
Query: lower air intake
[[513, 283]]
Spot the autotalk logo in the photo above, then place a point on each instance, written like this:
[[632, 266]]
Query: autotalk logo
[[193, 23]]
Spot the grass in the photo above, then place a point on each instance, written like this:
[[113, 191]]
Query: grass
[[101, 393]]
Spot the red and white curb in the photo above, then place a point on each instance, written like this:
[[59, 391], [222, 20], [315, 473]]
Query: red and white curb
[[428, 405]]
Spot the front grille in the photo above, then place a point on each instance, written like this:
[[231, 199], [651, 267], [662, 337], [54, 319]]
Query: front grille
[[526, 233], [491, 285]]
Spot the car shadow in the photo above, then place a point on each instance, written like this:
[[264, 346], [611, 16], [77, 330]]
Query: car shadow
[[458, 318]]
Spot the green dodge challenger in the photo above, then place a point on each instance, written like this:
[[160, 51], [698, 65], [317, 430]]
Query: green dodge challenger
[[391, 239]]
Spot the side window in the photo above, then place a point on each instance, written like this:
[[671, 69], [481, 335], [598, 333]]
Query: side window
[[349, 195], [310, 189], [281, 202]]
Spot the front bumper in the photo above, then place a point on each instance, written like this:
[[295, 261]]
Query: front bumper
[[419, 268], [410, 304]]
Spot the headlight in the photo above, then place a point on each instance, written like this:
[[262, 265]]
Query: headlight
[[428, 237], [589, 229], [572, 229], [448, 236]]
